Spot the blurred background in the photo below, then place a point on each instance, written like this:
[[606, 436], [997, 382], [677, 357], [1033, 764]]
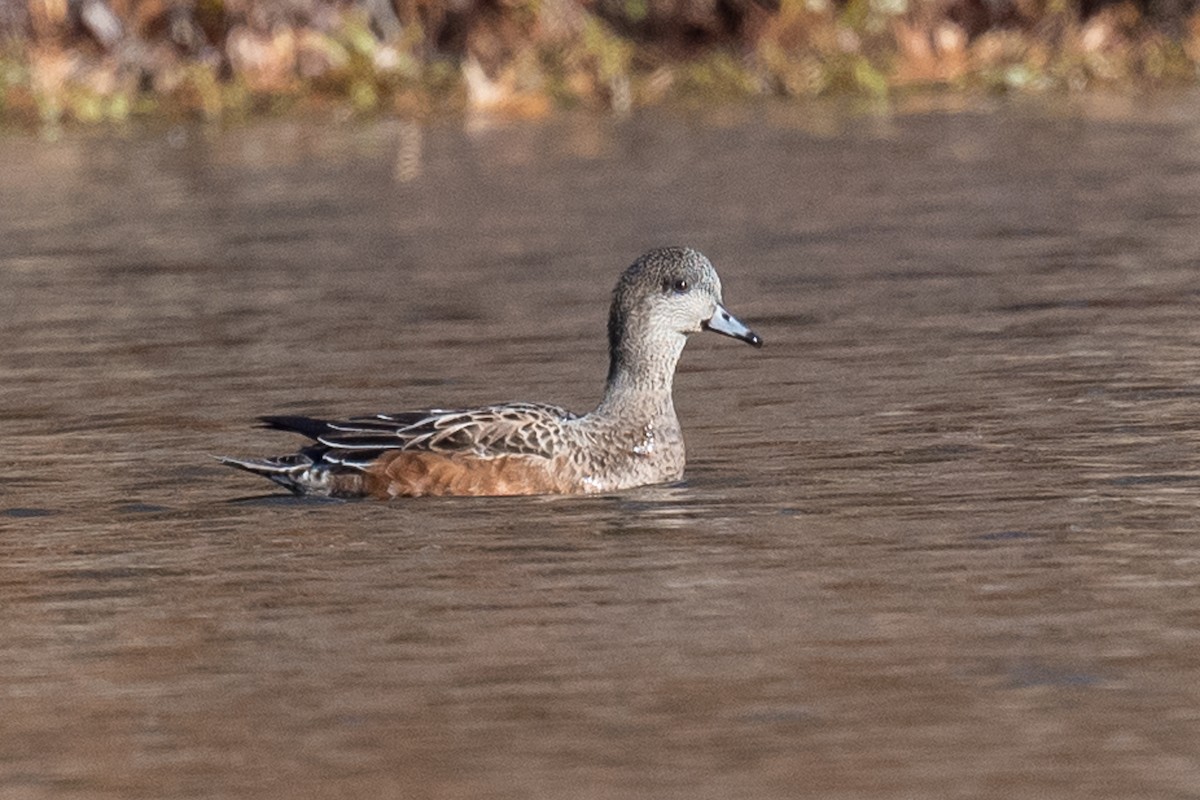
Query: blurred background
[[95, 60]]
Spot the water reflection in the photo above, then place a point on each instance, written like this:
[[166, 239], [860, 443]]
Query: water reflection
[[936, 538]]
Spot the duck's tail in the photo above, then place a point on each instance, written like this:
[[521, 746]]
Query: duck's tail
[[295, 473]]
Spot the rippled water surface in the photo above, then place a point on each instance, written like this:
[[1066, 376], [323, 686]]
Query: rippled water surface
[[938, 539]]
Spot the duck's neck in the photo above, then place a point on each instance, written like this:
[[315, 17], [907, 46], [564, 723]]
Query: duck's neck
[[640, 378]]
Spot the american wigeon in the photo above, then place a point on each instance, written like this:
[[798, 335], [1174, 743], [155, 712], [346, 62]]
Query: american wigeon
[[631, 439]]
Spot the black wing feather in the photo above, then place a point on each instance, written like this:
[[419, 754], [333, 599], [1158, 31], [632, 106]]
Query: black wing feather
[[306, 426]]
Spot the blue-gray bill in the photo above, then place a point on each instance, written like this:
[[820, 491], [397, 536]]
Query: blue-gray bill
[[724, 322]]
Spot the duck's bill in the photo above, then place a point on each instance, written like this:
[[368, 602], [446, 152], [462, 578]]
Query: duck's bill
[[724, 322]]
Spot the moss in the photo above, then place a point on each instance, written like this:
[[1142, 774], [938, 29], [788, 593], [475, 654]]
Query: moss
[[720, 75]]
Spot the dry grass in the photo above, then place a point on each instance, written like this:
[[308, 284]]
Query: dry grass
[[221, 58]]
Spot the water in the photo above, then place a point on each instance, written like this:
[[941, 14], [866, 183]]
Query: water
[[937, 539]]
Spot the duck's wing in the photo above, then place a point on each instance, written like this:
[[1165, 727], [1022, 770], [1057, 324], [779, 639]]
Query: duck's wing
[[532, 429]]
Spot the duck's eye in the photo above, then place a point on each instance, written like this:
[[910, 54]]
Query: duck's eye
[[679, 285]]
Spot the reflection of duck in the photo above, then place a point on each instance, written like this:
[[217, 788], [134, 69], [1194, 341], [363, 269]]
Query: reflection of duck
[[631, 439]]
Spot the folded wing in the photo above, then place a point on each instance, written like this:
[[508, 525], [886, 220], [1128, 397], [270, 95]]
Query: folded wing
[[511, 429]]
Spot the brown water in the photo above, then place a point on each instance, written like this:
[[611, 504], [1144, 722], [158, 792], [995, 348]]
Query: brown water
[[939, 539]]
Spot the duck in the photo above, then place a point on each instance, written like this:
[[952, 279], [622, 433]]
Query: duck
[[632, 438]]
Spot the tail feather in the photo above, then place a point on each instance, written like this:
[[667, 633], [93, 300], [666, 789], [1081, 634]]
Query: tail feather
[[316, 469], [287, 471]]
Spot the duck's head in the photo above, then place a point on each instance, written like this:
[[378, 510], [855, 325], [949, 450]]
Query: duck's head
[[667, 294]]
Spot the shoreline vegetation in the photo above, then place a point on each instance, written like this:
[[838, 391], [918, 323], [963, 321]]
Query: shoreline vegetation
[[97, 61]]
